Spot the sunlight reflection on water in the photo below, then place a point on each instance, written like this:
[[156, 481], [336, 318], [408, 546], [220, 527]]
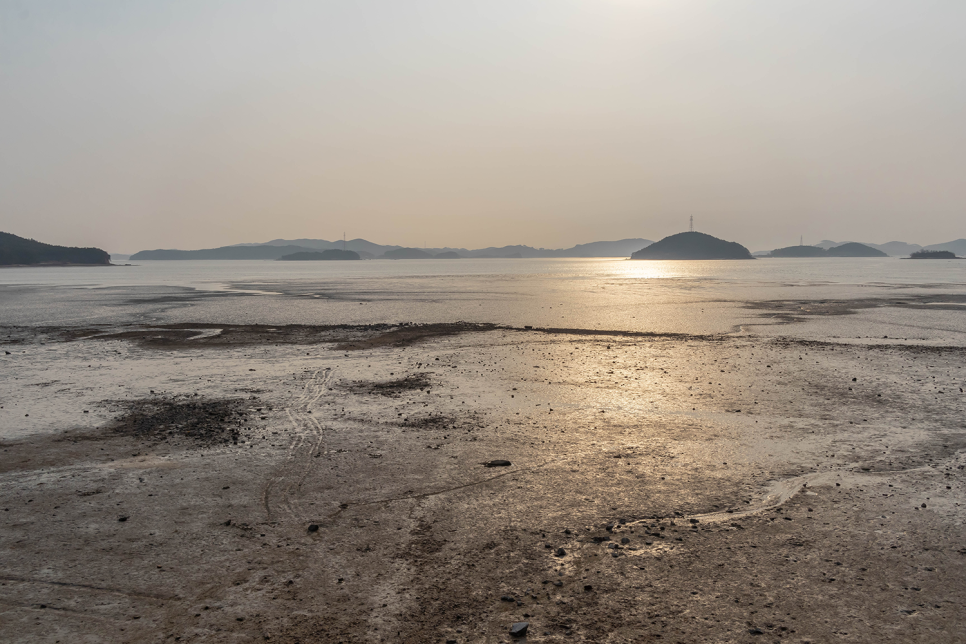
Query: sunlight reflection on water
[[659, 296]]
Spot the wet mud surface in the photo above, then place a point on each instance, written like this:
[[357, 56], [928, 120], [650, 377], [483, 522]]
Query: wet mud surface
[[791, 311], [660, 488], [202, 421], [193, 336]]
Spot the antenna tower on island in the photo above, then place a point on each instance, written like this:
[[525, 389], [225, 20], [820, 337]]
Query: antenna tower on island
[[801, 240], [691, 229], [343, 242]]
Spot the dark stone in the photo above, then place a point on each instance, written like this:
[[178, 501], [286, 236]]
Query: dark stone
[[588, 588], [507, 598], [625, 540], [558, 584], [313, 527], [122, 518], [694, 521], [756, 631], [560, 552], [498, 463], [519, 629]]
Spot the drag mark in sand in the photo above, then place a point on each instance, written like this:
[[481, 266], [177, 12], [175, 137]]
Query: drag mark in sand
[[779, 493], [307, 440]]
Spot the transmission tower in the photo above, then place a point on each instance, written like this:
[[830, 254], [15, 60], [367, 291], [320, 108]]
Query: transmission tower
[[691, 229]]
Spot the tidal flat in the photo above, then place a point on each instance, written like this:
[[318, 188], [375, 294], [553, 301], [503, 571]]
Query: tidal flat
[[199, 482]]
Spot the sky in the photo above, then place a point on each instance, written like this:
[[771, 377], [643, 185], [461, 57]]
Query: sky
[[463, 123]]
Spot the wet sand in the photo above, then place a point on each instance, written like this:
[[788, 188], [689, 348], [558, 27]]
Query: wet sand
[[662, 487]]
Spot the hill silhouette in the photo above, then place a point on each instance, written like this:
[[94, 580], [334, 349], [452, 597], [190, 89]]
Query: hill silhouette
[[368, 250], [893, 248], [225, 252], [692, 245], [854, 249], [406, 253], [957, 246], [315, 256], [799, 251], [19, 251], [448, 255]]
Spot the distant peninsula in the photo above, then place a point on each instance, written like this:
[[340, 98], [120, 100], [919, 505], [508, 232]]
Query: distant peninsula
[[691, 246], [315, 256], [19, 251], [850, 249]]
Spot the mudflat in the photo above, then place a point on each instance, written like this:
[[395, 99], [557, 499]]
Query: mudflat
[[214, 483]]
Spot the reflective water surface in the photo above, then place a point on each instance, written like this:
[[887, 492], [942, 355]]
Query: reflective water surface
[[688, 297]]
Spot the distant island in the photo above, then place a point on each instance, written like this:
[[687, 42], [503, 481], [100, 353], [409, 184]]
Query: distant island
[[849, 249], [406, 253], [798, 251], [904, 249], [855, 249], [691, 246], [417, 253], [19, 251], [316, 256], [933, 254], [279, 248], [225, 252]]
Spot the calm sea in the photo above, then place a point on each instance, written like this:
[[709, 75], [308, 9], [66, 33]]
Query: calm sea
[[617, 294]]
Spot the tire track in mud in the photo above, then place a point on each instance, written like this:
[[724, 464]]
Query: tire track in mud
[[281, 494]]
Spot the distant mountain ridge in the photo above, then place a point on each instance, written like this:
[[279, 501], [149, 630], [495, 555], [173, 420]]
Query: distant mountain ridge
[[957, 246], [892, 249], [20, 251], [849, 249], [903, 249], [280, 247], [225, 252]]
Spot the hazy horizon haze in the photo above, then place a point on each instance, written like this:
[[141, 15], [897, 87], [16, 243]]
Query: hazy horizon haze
[[134, 126]]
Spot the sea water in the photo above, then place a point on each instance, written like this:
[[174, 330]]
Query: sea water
[[695, 297]]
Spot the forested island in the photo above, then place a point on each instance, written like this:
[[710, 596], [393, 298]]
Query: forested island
[[693, 245], [19, 251], [933, 254]]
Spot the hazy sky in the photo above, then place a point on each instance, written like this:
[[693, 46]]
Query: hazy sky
[[132, 125]]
